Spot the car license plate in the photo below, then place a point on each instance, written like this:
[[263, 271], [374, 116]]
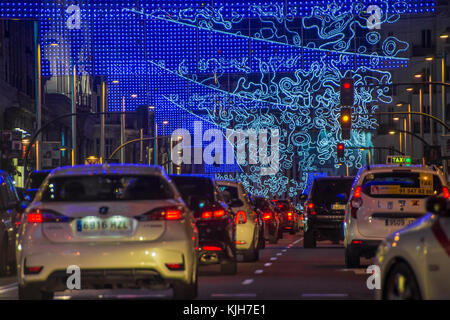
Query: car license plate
[[338, 206], [94, 225], [399, 222]]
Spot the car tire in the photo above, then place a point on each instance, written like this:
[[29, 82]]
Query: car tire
[[391, 291], [228, 267], [352, 259], [280, 233], [186, 291], [34, 292], [309, 241], [273, 238], [251, 255], [4, 257]]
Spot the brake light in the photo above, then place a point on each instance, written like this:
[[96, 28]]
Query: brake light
[[267, 216], [173, 214], [289, 214], [241, 217], [170, 214], [42, 216], [310, 205], [211, 248], [357, 242], [357, 193], [219, 213], [445, 192], [309, 209], [206, 215], [35, 217], [356, 202]]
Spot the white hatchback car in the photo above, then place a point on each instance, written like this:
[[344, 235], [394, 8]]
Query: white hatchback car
[[383, 200], [415, 261], [123, 226], [248, 232]]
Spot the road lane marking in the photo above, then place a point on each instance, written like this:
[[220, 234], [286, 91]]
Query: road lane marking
[[268, 264], [247, 282], [324, 295], [273, 258], [279, 254], [231, 295], [284, 250], [7, 290], [259, 271]]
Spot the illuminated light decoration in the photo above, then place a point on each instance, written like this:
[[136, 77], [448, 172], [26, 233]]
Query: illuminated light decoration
[[279, 70]]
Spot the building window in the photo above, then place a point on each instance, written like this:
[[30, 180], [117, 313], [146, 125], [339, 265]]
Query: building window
[[426, 38]]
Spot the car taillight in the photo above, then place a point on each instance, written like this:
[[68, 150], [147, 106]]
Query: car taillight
[[170, 214], [289, 216], [175, 266], [42, 216], [211, 248], [310, 209], [445, 192], [241, 217], [213, 214], [356, 202], [219, 213], [267, 216]]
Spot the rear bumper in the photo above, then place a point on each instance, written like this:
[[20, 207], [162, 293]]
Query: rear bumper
[[56, 258], [364, 248]]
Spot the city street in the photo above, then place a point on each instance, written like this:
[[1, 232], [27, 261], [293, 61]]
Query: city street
[[285, 271]]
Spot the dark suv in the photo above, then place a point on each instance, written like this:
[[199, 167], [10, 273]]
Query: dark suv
[[325, 210], [214, 220], [10, 217]]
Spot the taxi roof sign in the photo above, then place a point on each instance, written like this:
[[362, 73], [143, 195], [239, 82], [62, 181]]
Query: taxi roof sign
[[406, 160]]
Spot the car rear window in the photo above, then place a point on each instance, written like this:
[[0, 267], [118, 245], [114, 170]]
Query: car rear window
[[106, 188], [331, 190], [234, 193], [36, 179], [401, 185], [202, 188]]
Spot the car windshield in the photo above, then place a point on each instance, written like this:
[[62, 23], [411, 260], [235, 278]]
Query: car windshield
[[404, 184], [331, 190], [106, 188], [200, 187]]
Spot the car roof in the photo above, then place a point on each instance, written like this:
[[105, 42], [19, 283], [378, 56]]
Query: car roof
[[126, 169], [334, 178], [196, 176]]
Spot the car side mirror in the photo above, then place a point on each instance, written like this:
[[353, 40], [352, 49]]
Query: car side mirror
[[235, 203], [438, 205]]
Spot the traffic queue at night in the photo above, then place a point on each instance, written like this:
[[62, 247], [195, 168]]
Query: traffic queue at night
[[134, 226]]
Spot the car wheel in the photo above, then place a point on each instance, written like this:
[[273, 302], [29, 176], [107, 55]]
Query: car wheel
[[228, 267], [280, 234], [3, 257], [34, 292], [273, 238], [309, 241], [251, 255], [401, 284], [185, 291], [352, 260]]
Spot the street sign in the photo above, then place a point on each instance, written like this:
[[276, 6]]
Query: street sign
[[404, 160]]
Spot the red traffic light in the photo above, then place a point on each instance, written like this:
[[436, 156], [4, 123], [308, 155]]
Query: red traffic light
[[340, 150], [347, 85], [347, 92]]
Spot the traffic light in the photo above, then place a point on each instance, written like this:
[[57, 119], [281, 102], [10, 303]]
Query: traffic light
[[345, 120], [142, 118], [347, 92], [340, 150]]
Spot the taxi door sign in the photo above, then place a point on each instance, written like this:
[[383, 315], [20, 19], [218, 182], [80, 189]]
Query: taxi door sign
[[405, 160]]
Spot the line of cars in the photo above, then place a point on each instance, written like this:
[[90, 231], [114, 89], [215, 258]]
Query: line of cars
[[399, 214], [133, 226]]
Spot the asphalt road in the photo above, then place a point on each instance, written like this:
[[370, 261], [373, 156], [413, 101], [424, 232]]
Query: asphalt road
[[285, 271]]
